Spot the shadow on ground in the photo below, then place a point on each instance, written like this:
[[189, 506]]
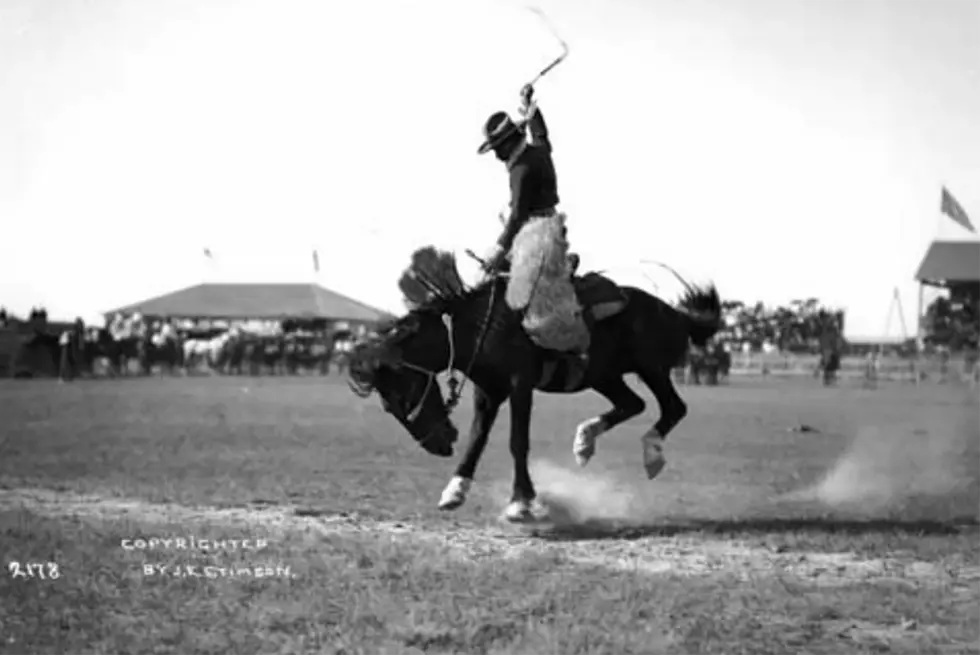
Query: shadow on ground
[[672, 526]]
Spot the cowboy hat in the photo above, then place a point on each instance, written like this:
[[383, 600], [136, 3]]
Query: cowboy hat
[[496, 130]]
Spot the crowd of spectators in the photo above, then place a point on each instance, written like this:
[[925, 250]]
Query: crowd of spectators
[[796, 327], [953, 323]]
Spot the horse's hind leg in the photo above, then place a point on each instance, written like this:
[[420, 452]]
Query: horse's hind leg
[[672, 411], [626, 405]]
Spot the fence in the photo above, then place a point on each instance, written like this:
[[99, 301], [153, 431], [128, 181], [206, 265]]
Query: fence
[[923, 367]]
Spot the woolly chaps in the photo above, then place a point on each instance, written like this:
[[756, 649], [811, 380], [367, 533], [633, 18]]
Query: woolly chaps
[[541, 286]]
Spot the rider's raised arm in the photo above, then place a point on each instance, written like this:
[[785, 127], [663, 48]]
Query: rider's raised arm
[[537, 129], [520, 199]]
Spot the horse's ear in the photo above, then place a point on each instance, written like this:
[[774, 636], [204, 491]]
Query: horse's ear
[[415, 292]]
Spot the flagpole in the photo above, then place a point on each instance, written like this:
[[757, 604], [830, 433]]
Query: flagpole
[[919, 330], [939, 214], [209, 276]]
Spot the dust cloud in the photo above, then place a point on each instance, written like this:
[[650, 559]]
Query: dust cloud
[[576, 496], [934, 471], [915, 472]]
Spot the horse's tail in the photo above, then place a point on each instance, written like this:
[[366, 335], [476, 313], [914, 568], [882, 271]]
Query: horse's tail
[[702, 307]]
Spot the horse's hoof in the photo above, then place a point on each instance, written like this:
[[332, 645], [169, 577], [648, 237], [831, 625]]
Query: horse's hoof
[[585, 436], [653, 455], [454, 495], [519, 511], [654, 468]]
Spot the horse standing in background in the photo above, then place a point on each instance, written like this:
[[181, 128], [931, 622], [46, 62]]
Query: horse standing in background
[[117, 351], [162, 347], [211, 352], [129, 335]]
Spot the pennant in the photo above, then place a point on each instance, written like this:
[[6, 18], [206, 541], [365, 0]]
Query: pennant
[[316, 262], [953, 209]]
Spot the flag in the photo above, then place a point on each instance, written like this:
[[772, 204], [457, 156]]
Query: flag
[[316, 262], [953, 209], [207, 253]]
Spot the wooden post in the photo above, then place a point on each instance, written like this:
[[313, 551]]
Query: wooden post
[[919, 334]]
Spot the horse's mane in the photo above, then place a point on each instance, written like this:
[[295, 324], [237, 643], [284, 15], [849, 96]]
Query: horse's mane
[[429, 284], [431, 276]]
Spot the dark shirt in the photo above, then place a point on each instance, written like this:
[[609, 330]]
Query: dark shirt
[[533, 184]]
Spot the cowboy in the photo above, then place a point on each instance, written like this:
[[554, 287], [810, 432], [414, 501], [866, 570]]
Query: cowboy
[[168, 331], [137, 326], [67, 343], [118, 327], [525, 149], [533, 183]]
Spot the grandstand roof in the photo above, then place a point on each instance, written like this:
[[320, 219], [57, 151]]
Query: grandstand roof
[[950, 261], [256, 301]]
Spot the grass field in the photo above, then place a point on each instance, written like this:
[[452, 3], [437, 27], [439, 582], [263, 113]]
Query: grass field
[[791, 519]]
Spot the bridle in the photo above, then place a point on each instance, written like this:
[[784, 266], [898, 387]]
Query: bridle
[[454, 383]]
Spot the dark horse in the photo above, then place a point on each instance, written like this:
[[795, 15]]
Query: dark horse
[[169, 355], [474, 331], [117, 351]]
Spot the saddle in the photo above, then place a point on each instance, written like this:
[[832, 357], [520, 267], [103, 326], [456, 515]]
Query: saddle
[[600, 297]]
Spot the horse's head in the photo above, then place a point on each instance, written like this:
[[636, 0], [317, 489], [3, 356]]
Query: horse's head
[[401, 361], [401, 364]]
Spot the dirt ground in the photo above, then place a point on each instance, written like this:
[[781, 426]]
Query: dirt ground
[[791, 518]]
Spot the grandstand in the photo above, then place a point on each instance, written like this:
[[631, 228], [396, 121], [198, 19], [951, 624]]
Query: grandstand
[[955, 267], [951, 263]]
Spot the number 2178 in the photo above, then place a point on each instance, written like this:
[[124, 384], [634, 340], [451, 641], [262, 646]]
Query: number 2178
[[34, 570]]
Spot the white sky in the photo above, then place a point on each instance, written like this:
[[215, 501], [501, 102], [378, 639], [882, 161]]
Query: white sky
[[783, 148]]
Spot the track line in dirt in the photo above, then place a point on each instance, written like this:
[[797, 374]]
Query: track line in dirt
[[649, 555]]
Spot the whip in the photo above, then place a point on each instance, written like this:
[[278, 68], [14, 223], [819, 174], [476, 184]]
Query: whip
[[554, 33]]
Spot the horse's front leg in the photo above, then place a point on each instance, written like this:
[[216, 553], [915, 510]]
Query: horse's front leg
[[518, 510], [485, 410]]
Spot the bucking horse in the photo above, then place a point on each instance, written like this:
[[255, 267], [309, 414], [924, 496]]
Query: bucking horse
[[474, 331]]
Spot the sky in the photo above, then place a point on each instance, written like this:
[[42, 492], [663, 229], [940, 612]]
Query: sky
[[781, 148]]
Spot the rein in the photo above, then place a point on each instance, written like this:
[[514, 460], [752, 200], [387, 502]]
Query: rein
[[455, 385]]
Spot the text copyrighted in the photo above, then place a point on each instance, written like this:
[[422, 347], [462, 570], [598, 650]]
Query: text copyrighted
[[191, 557]]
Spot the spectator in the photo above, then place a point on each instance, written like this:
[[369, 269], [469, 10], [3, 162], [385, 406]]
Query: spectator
[[65, 372]]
